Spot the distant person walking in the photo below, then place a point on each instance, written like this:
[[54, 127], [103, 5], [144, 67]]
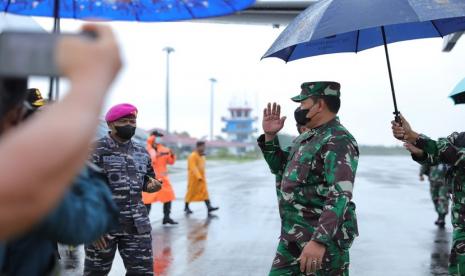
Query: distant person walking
[[440, 191], [197, 183], [161, 157]]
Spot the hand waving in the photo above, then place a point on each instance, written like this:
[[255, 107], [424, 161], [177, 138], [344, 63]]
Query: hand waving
[[272, 121]]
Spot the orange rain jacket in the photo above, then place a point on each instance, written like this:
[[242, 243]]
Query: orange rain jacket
[[161, 158], [197, 184]]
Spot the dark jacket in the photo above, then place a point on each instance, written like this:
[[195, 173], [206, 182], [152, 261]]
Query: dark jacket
[[86, 212]]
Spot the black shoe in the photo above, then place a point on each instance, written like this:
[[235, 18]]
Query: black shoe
[[168, 220], [212, 209], [441, 222], [188, 211]]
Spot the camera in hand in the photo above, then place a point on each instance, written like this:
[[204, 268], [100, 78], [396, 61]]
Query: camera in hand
[[25, 54]]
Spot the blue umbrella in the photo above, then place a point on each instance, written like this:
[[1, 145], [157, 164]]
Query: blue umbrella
[[335, 26], [126, 10], [458, 94], [122, 10]]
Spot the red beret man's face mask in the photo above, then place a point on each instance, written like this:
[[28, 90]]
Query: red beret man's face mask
[[125, 128]]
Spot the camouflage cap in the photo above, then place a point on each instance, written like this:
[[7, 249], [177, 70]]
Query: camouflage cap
[[318, 88]]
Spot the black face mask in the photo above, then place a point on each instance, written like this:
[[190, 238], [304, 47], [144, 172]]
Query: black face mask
[[300, 116], [125, 132]]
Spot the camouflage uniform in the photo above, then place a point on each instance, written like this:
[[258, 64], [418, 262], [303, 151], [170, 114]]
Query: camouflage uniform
[[279, 194], [438, 187], [451, 151], [128, 168], [315, 194]]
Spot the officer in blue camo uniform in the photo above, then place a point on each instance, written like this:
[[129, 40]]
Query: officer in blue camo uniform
[[129, 171]]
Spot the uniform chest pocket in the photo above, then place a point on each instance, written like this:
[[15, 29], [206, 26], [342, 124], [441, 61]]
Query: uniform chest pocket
[[299, 167], [295, 177], [140, 163], [115, 168], [300, 172], [141, 168]]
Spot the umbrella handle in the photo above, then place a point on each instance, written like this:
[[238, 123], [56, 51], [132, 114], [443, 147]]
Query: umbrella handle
[[397, 118]]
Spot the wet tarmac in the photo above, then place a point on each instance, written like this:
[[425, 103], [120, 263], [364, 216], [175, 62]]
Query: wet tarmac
[[396, 215]]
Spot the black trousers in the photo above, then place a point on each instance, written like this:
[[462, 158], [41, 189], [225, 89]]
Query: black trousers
[[166, 208]]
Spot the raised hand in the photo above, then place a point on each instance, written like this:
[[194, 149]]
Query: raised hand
[[272, 121]]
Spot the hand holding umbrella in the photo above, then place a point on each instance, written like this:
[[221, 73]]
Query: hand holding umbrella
[[402, 131]]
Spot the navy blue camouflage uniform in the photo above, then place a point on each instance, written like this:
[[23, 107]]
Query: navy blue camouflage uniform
[[128, 168]]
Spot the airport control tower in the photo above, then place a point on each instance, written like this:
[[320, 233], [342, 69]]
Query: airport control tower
[[240, 125]]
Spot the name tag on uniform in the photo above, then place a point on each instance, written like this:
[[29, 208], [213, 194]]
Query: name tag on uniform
[[113, 159], [140, 158]]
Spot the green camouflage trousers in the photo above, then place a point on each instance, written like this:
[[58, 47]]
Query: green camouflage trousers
[[457, 254], [440, 196], [335, 261]]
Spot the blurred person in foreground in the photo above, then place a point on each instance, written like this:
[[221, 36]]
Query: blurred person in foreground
[[85, 213], [318, 173], [449, 151], [161, 157], [197, 183], [128, 168], [57, 142]]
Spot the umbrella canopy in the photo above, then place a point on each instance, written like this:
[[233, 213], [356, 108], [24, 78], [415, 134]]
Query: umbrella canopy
[[458, 94], [126, 10], [335, 26]]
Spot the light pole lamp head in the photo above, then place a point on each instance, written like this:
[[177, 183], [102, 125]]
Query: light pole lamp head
[[168, 50], [213, 80]]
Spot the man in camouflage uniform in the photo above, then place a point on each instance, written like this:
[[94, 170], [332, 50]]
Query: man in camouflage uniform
[[438, 188], [318, 172], [450, 151], [129, 171]]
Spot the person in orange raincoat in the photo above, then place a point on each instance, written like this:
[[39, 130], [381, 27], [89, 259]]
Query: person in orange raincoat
[[197, 183], [161, 158]]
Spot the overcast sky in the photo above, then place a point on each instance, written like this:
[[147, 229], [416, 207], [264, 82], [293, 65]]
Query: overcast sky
[[423, 75]]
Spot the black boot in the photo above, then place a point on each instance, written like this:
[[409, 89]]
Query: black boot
[[210, 207], [166, 214], [149, 207], [187, 209], [441, 221]]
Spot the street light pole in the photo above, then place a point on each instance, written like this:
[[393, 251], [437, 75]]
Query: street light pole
[[213, 81], [168, 51]]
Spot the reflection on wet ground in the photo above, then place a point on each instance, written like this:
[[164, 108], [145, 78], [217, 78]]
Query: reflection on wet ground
[[396, 223], [440, 252]]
